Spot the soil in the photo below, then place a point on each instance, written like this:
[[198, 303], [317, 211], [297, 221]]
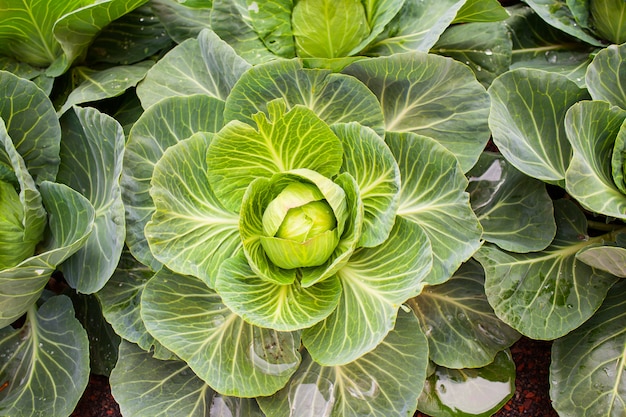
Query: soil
[[531, 398]]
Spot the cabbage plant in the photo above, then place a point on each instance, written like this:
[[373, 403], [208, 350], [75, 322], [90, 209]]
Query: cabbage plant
[[286, 219]]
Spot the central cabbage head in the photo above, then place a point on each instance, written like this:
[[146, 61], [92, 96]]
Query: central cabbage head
[[300, 226]]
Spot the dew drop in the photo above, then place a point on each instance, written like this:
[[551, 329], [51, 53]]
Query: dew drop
[[488, 52]]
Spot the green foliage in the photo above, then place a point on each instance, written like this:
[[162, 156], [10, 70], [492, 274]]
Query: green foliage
[[305, 208]]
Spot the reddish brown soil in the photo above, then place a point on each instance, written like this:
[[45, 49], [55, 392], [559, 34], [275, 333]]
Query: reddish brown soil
[[531, 396]]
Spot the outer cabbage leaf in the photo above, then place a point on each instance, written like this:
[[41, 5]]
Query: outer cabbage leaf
[[231, 20], [485, 47], [592, 128], [587, 374], [206, 65], [232, 356], [477, 392], [606, 75], [45, 363], [190, 232], [374, 385], [91, 163], [515, 211], [182, 22], [134, 37], [416, 27], [369, 160], [433, 197], [70, 220], [147, 387], [609, 258], [545, 295], [54, 35], [376, 281], [334, 98], [462, 329], [328, 28], [560, 16], [481, 11], [430, 95], [272, 22], [538, 45], [527, 118], [161, 126], [97, 85], [32, 123], [120, 299]]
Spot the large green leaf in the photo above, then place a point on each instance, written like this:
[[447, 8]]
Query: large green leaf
[[191, 232], [527, 118], [231, 20], [587, 374], [55, 34], [328, 28], [469, 392], [462, 329], [206, 65], [96, 85], [275, 306], [484, 47], [544, 295], [384, 382], [433, 196], [76, 30], [560, 16], [606, 75], [430, 95], [70, 221], [416, 27], [45, 364], [611, 259], [538, 45], [370, 162], [286, 140], [481, 11], [32, 123], [272, 21], [180, 21], [121, 304], [592, 128], [161, 126], [132, 38], [376, 281], [334, 98], [26, 32], [232, 356], [515, 211], [147, 387], [91, 163]]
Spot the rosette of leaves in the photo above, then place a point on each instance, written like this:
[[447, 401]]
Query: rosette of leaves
[[570, 137], [324, 33], [54, 35], [61, 210], [287, 214]]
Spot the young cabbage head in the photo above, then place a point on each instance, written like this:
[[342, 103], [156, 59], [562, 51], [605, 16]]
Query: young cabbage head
[[303, 222], [15, 246]]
